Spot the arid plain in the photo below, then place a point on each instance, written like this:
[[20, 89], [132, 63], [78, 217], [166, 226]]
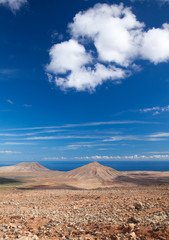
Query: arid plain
[[91, 202]]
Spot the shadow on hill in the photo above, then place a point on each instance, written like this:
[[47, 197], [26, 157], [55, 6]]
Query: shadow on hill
[[40, 187], [9, 181], [145, 181]]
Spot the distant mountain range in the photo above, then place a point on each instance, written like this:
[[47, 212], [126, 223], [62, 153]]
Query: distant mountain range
[[90, 176], [91, 170]]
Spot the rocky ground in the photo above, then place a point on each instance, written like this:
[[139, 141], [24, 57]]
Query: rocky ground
[[117, 213]]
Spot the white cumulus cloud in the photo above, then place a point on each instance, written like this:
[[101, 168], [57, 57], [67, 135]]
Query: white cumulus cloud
[[155, 46], [13, 4], [72, 56], [70, 63], [104, 43], [113, 29]]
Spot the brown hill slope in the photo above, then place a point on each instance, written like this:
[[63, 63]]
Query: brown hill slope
[[24, 167], [93, 170]]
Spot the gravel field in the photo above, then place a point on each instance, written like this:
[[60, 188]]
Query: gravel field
[[117, 213]]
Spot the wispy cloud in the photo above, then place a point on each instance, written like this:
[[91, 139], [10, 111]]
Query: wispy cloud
[[166, 152], [159, 135], [13, 4], [55, 158], [86, 145], [150, 138], [10, 101], [64, 137], [123, 138], [27, 105], [9, 152], [76, 125], [56, 36], [41, 138], [7, 71], [105, 123], [17, 143], [8, 134], [99, 137], [155, 110], [102, 138]]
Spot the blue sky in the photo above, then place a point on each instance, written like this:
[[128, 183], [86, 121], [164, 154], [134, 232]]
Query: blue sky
[[84, 80]]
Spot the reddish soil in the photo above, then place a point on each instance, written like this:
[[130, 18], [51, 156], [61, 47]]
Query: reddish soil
[[119, 213], [89, 203]]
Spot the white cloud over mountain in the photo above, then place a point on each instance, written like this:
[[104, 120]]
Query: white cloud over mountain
[[128, 157], [125, 157], [13, 4], [105, 42]]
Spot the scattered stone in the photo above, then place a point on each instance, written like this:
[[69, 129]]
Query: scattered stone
[[133, 220], [162, 238], [138, 205], [90, 214], [132, 236], [131, 227]]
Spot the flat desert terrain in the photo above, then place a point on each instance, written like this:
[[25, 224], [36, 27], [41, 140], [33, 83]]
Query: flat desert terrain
[[91, 202]]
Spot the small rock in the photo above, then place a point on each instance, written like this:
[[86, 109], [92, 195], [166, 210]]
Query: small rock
[[131, 227], [25, 238], [133, 220], [138, 205], [132, 236]]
